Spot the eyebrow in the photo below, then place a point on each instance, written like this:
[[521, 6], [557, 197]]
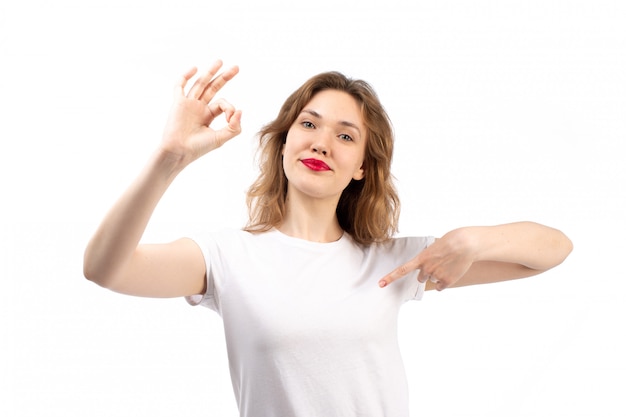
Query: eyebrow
[[341, 122]]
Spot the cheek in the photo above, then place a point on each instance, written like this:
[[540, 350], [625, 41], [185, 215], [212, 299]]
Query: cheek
[[288, 144], [286, 158]]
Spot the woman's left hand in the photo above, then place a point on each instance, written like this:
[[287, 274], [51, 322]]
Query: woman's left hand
[[485, 254], [443, 263]]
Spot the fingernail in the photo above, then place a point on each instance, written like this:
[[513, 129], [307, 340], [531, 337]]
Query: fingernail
[[382, 284]]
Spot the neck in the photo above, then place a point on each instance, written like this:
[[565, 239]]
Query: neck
[[310, 218]]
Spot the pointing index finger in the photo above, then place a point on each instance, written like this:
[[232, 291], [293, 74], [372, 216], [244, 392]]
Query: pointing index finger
[[400, 272]]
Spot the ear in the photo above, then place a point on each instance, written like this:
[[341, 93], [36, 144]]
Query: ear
[[360, 173]]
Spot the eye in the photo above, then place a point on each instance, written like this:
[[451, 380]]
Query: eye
[[308, 125], [345, 137]]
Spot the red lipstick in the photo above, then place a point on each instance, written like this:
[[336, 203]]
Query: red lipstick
[[315, 164]]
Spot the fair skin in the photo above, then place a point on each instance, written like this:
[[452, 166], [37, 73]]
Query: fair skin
[[486, 254], [114, 258], [330, 130]]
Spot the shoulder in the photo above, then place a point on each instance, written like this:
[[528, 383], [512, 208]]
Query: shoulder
[[399, 249], [227, 241], [405, 243], [222, 236]]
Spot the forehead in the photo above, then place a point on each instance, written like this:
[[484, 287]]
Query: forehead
[[336, 106]]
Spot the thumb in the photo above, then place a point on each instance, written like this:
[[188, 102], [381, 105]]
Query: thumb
[[232, 129]]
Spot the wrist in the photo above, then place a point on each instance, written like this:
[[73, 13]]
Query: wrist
[[490, 243], [472, 241], [166, 164]]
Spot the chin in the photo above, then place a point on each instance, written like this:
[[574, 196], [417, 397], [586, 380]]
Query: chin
[[311, 191]]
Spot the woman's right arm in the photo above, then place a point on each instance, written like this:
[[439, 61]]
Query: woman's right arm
[[114, 258]]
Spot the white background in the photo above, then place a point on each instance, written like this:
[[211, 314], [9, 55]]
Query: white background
[[504, 110]]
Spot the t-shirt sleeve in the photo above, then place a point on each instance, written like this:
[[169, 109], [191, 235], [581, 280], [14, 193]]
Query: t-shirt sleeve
[[414, 289], [209, 299]]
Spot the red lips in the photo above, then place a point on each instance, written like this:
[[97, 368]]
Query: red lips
[[315, 164]]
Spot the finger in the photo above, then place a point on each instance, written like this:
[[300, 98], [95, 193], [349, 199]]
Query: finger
[[234, 123], [220, 106], [232, 129], [197, 89], [433, 282], [400, 272], [217, 83], [179, 88]]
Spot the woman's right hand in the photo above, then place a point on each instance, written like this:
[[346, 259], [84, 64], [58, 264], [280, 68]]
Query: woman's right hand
[[188, 134], [114, 258]]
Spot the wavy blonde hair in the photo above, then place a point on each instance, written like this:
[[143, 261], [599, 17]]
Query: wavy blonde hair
[[369, 208]]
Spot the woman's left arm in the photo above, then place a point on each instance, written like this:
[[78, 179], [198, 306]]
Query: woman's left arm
[[485, 254]]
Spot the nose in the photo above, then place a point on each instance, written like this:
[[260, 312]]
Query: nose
[[319, 149], [320, 145]]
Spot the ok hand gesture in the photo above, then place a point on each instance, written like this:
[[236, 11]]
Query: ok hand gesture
[[188, 134]]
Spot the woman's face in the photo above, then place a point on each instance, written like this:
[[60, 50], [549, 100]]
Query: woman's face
[[325, 146]]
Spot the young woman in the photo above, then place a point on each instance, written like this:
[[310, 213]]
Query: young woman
[[309, 291]]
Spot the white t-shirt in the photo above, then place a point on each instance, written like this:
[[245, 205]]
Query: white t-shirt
[[308, 330]]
